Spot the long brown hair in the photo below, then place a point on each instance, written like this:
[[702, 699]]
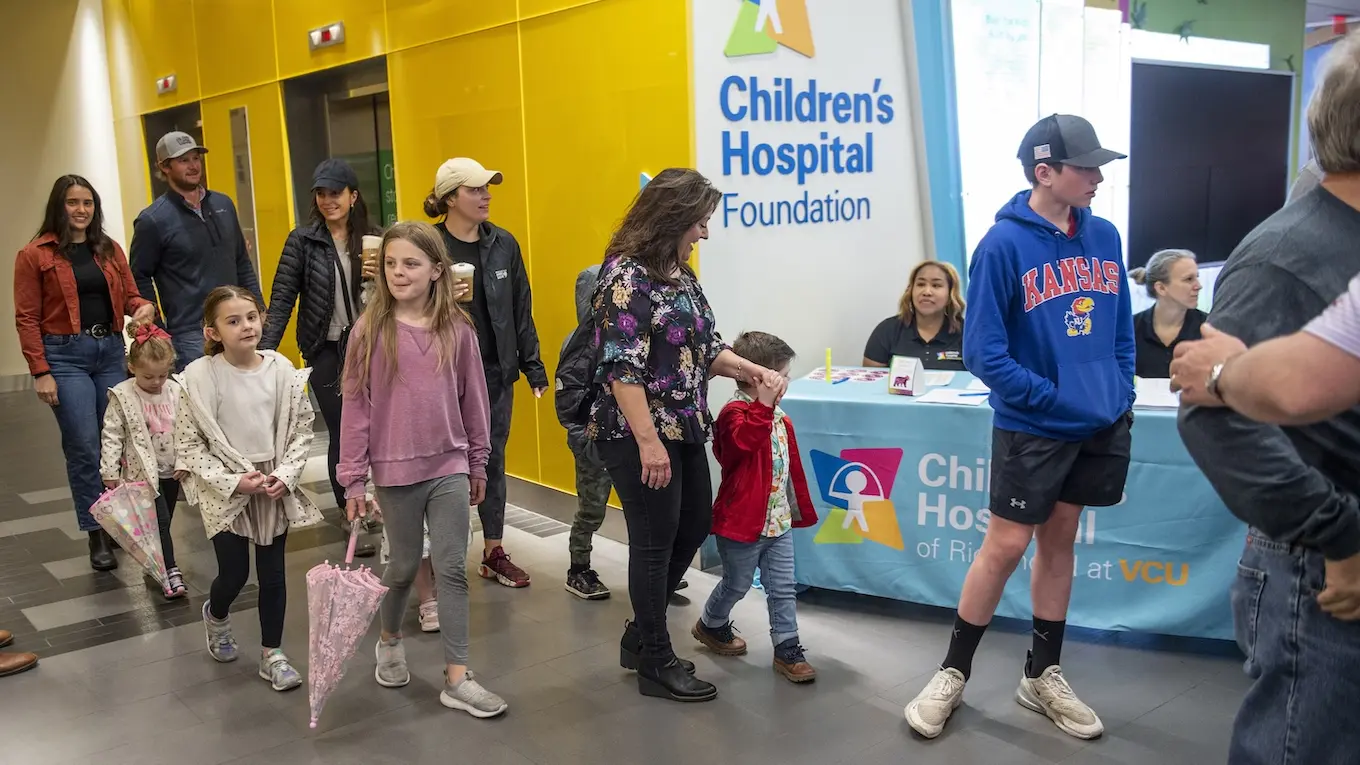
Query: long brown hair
[[953, 308], [668, 206], [379, 325], [56, 221], [215, 300]]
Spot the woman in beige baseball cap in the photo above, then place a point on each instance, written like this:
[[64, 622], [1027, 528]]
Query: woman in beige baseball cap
[[498, 298]]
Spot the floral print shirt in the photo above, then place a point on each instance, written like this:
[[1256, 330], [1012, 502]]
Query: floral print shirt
[[660, 336]]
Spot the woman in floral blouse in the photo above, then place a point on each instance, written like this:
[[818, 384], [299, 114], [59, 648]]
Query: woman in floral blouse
[[658, 349]]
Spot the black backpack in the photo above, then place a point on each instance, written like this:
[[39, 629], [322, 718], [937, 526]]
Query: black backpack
[[576, 386]]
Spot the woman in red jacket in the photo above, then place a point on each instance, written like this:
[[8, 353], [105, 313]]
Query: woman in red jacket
[[762, 498], [72, 287]]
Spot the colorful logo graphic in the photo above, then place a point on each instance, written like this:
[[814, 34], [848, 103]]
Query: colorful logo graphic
[[857, 485], [1078, 320], [764, 25]]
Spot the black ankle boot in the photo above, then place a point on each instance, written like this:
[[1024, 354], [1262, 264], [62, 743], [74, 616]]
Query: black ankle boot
[[101, 556], [630, 647], [669, 680]]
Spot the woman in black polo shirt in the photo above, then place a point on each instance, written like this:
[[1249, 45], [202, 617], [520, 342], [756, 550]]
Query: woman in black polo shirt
[[928, 324], [1172, 278]]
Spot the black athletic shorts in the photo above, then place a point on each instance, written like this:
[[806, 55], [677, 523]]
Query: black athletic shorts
[[1032, 473]]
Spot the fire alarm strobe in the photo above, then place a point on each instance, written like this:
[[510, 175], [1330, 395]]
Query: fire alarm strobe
[[326, 36], [167, 84]]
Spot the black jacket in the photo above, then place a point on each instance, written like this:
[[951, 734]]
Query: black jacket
[[505, 284], [178, 257], [307, 269]]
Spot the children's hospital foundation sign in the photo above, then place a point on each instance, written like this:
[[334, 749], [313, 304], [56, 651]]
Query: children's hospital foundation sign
[[801, 115]]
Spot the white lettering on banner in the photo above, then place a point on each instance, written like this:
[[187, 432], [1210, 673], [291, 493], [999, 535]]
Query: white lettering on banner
[[959, 475], [962, 518]]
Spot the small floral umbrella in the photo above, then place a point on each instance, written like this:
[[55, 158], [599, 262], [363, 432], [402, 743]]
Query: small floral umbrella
[[341, 603]]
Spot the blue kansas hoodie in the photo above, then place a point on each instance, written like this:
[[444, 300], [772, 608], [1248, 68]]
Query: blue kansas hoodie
[[1050, 324]]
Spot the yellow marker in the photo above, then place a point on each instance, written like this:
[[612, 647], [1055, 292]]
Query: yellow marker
[[828, 365]]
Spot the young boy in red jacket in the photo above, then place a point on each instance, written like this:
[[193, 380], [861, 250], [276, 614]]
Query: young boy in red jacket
[[762, 497]]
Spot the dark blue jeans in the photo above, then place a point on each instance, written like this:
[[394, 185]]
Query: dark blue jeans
[[188, 347], [84, 369], [1301, 707]]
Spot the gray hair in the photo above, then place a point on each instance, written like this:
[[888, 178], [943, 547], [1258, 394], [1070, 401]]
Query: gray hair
[[1158, 269], [1334, 111]]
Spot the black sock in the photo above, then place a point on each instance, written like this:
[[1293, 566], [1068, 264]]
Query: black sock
[[577, 569], [962, 646], [1048, 640]]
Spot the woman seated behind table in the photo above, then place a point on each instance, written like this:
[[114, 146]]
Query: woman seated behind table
[[1172, 278], [928, 324]]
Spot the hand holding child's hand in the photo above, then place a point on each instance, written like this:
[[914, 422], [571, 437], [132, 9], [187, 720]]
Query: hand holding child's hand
[[251, 483], [274, 488], [768, 391]]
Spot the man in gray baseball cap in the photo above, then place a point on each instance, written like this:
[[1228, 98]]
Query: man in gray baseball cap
[[1047, 291], [185, 244]]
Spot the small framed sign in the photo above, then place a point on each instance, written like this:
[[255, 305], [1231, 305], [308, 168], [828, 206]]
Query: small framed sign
[[906, 376]]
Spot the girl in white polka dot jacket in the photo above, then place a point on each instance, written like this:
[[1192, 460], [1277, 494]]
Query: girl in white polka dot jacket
[[242, 436]]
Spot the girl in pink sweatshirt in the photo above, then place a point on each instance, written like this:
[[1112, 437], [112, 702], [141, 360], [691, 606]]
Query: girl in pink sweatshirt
[[415, 414]]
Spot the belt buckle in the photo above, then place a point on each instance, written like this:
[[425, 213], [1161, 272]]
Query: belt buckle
[[100, 331]]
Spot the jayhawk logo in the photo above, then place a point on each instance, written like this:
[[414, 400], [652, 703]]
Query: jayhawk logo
[[1078, 319]]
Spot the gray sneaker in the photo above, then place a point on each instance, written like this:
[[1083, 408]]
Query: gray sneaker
[[221, 645], [391, 671], [275, 667], [469, 696]]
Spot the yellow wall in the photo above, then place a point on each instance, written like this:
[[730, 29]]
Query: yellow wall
[[570, 99]]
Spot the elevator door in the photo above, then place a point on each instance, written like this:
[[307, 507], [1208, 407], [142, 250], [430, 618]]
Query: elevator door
[[343, 113]]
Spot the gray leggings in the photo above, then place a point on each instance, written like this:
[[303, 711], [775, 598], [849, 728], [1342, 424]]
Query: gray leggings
[[443, 503]]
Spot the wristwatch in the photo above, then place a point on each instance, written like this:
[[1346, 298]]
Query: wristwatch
[[1211, 385]]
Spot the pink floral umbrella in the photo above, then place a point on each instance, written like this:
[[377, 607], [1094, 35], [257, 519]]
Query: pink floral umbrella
[[341, 603], [128, 514]]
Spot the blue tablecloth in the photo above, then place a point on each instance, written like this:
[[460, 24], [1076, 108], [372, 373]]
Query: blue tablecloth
[[1161, 561]]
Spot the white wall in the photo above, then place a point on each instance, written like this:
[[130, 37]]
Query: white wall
[[816, 285], [56, 117]]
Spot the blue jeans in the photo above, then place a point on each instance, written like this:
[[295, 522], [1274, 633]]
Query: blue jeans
[[188, 347], [774, 556], [1301, 707], [84, 369]]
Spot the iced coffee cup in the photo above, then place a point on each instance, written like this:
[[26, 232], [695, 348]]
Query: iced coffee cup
[[463, 272], [370, 257]]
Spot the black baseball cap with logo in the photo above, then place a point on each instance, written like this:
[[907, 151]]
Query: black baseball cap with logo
[[1065, 139]]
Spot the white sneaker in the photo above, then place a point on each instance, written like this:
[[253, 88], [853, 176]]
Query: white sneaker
[[1049, 694], [930, 710], [429, 616]]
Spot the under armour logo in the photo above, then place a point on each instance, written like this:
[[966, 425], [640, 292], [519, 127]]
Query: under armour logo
[[1020, 503]]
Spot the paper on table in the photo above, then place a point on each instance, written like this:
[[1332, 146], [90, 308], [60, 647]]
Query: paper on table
[[977, 384], [938, 378], [953, 396], [1155, 393]]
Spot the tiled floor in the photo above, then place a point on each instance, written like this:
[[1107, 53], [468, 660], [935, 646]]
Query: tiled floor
[[124, 677]]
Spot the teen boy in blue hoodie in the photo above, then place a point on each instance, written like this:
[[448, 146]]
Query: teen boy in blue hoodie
[[1050, 331]]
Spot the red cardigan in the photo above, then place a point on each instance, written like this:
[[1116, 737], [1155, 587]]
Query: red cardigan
[[742, 447]]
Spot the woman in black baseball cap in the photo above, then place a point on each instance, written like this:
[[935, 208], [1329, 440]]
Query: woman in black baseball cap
[[321, 268]]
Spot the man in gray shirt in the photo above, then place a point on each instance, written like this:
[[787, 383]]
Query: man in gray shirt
[[1296, 487]]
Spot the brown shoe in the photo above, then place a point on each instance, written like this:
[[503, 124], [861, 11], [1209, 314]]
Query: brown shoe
[[790, 662], [14, 663], [6, 637], [720, 640]]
